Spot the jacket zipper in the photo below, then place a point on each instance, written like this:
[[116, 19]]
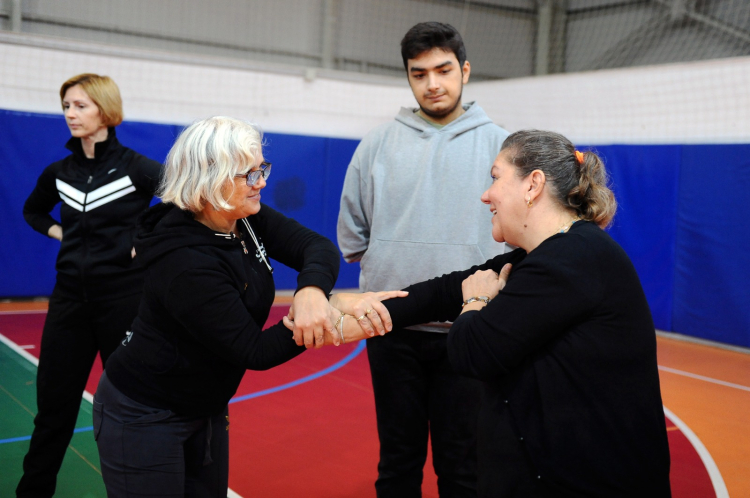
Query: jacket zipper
[[84, 226]]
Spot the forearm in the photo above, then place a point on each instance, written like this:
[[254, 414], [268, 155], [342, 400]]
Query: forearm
[[208, 307], [347, 329], [41, 201], [435, 300], [271, 348], [438, 299], [320, 267], [468, 350], [287, 241], [41, 221]]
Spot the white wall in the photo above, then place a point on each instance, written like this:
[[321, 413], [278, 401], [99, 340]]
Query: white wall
[[696, 102], [699, 102], [173, 91]]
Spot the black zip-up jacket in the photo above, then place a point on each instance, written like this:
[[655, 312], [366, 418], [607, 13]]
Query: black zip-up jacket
[[102, 199], [205, 298]]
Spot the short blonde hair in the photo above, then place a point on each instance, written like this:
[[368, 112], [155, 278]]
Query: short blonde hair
[[205, 158], [103, 91]]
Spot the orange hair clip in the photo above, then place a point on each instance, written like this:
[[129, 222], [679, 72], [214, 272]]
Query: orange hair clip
[[579, 157]]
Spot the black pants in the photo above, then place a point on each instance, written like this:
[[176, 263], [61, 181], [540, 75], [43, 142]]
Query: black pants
[[152, 452], [73, 333], [416, 393]]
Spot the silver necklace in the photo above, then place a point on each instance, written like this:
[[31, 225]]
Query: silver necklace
[[255, 240]]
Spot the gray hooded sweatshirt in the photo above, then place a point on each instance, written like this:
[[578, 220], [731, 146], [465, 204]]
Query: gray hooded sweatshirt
[[411, 208]]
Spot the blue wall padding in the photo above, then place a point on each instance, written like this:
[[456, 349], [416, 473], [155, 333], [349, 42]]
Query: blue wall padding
[[306, 182], [28, 143], [682, 214], [712, 263], [305, 185], [645, 182]]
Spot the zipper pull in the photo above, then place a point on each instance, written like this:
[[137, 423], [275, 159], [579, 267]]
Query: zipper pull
[[90, 178], [244, 247]]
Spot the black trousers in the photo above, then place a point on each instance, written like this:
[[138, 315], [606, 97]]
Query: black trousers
[[73, 333], [152, 452], [417, 393]]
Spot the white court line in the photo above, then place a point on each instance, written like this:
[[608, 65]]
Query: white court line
[[34, 361], [702, 377], [86, 395], [713, 471], [22, 352]]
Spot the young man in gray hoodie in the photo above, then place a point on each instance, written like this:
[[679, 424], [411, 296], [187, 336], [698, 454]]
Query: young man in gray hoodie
[[410, 210]]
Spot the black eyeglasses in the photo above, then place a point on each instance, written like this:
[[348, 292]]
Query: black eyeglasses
[[253, 176]]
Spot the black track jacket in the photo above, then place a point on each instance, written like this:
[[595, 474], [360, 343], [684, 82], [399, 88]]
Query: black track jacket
[[102, 198]]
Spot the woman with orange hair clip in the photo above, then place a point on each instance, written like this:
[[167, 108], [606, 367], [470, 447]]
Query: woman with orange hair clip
[[559, 331]]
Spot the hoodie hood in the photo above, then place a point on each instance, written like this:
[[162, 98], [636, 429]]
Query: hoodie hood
[[165, 227], [469, 120]]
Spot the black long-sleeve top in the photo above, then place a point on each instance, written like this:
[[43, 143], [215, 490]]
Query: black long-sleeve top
[[567, 352], [101, 200], [206, 297]]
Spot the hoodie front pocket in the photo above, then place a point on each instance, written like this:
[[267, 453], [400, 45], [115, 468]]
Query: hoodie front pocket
[[98, 415]]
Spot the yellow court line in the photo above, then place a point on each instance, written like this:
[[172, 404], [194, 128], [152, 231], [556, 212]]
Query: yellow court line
[[88, 462], [18, 402], [27, 410]]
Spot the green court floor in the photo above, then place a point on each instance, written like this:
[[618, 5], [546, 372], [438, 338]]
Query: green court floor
[[80, 476]]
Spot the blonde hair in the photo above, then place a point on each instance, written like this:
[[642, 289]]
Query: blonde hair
[[103, 91], [205, 158], [580, 186]]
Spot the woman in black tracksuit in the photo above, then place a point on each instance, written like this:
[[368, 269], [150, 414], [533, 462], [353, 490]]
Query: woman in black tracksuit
[[103, 187]]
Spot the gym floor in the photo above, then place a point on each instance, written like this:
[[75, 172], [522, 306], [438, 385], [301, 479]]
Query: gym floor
[[307, 428]]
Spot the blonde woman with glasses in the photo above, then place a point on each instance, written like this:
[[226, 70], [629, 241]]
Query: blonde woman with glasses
[[160, 413]]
